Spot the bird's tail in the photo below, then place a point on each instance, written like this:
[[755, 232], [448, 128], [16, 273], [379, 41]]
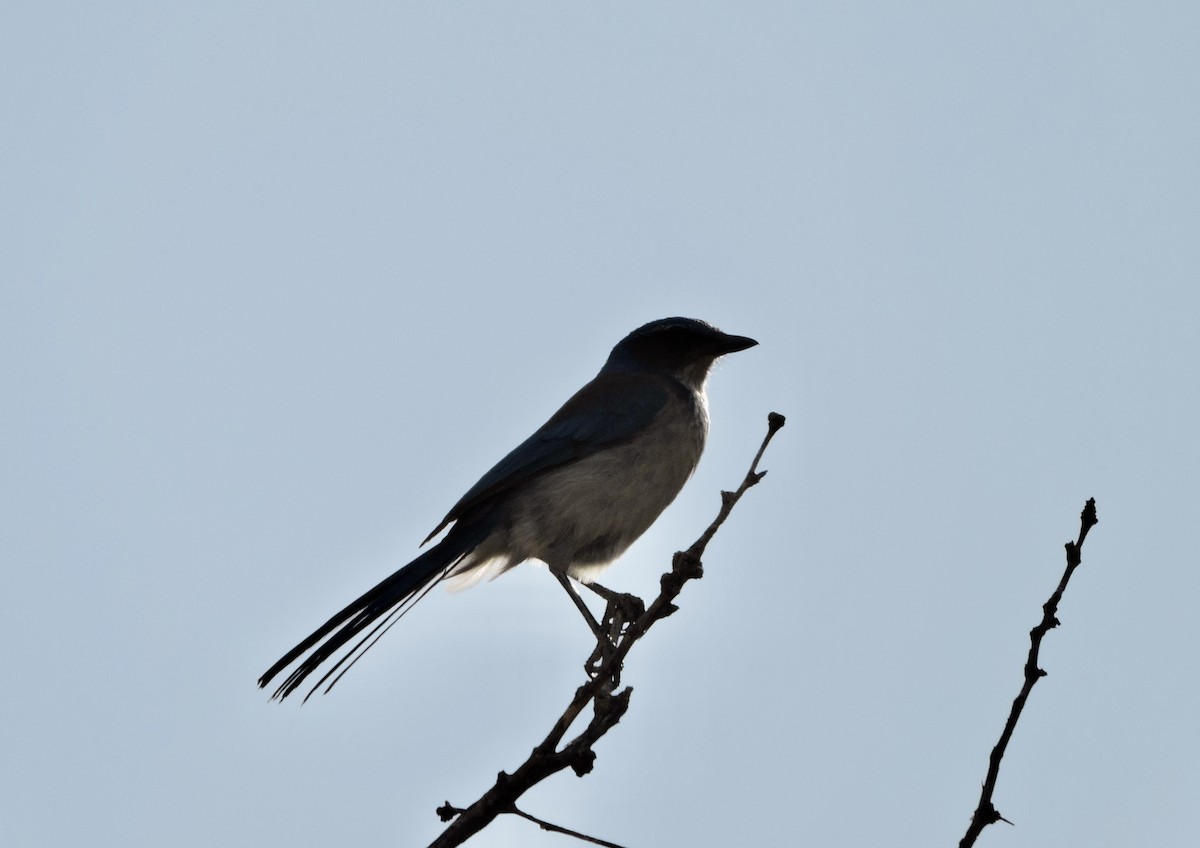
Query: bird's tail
[[375, 612]]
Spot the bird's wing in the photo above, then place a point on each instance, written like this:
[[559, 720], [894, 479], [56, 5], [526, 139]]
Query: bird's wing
[[611, 409]]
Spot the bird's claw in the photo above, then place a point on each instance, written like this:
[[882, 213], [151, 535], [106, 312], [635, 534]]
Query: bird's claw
[[626, 607]]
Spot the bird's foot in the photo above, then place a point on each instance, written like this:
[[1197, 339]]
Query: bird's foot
[[599, 662], [628, 608], [621, 610]]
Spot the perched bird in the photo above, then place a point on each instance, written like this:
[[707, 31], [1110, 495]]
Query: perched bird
[[574, 495]]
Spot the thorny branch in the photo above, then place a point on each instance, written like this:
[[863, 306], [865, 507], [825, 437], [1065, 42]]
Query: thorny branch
[[986, 813], [625, 622]]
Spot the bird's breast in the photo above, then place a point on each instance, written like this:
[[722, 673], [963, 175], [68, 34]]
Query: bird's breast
[[588, 512]]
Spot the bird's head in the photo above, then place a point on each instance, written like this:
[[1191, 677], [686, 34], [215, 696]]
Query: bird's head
[[685, 348]]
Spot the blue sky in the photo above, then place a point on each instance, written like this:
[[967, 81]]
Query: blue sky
[[281, 280]]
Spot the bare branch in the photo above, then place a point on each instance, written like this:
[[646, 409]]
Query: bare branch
[[625, 621], [986, 813], [553, 828]]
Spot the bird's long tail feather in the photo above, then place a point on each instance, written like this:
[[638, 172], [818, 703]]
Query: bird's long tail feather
[[374, 612]]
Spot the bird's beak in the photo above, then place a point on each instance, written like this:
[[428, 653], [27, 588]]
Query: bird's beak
[[731, 344]]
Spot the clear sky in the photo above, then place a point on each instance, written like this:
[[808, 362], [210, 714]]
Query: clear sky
[[281, 280]]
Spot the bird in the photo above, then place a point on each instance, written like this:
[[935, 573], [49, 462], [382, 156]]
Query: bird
[[574, 495]]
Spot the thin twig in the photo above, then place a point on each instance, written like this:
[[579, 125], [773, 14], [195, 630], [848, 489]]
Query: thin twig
[[553, 828], [601, 688], [986, 813]]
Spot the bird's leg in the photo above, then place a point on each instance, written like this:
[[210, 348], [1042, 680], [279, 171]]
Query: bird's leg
[[565, 582], [606, 634]]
